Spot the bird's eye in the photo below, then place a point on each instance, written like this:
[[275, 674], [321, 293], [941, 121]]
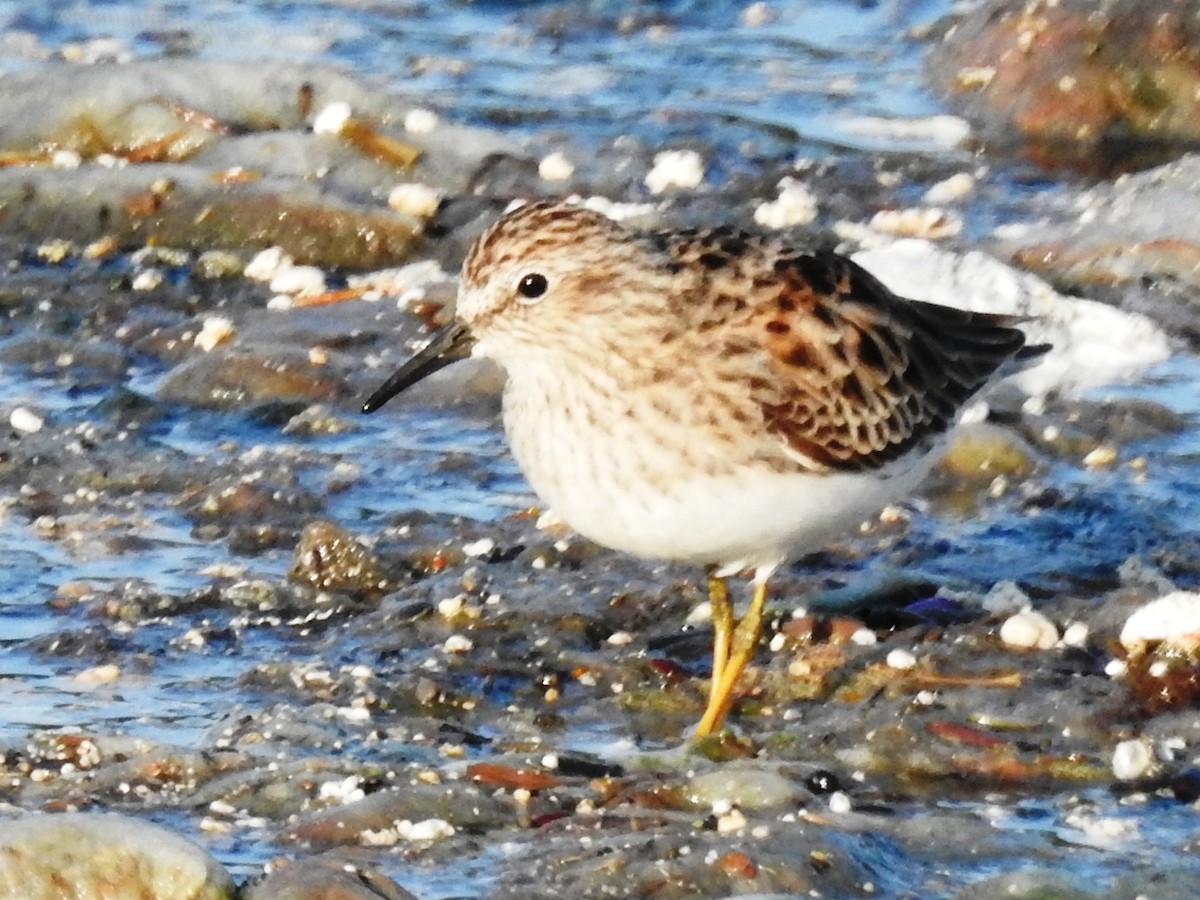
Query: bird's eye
[[532, 286]]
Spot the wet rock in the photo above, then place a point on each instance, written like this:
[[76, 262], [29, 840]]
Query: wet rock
[[1185, 785], [104, 855], [318, 419], [328, 877], [981, 453], [1164, 883], [1127, 242], [244, 377], [1164, 680], [92, 643], [234, 165], [229, 501], [47, 355], [1030, 884], [1098, 87], [330, 559], [511, 777], [1162, 639], [744, 786], [95, 202], [213, 264], [462, 806]]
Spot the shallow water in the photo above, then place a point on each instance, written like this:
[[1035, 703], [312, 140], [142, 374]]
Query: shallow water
[[801, 85], [597, 69]]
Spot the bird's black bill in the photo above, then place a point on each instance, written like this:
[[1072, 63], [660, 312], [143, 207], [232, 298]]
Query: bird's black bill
[[450, 344]]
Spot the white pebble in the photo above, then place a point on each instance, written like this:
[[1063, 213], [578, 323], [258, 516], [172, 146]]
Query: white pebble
[[952, 188], [458, 643], [1131, 760], [901, 659], [427, 830], [65, 159], [756, 15], [215, 331], [481, 547], [346, 790], [420, 121], [55, 251], [675, 169], [415, 199], [731, 822], [266, 264], [280, 302], [550, 521], [1075, 635], [928, 222], [795, 205], [864, 637], [1173, 619], [332, 119], [1116, 668], [222, 808], [451, 606], [618, 212], [1101, 457], [839, 802], [299, 281], [382, 837], [1030, 630], [620, 639], [25, 420], [555, 167], [405, 282], [147, 280], [102, 674]]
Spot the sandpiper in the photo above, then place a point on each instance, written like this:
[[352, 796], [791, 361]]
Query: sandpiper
[[709, 395]]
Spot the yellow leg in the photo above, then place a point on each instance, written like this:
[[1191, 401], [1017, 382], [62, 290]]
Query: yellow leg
[[722, 619], [744, 643]]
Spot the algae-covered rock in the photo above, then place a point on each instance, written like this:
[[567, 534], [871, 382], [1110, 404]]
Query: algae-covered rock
[[85, 855]]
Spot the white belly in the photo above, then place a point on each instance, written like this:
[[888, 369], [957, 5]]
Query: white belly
[[612, 483]]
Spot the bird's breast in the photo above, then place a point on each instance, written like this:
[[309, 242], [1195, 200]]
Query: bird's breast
[[626, 474]]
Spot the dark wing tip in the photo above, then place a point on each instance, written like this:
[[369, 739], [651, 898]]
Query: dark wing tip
[[937, 359]]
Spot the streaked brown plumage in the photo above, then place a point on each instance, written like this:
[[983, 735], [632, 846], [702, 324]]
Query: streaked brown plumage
[[712, 396]]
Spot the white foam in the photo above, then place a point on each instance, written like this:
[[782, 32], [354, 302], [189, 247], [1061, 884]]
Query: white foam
[[1093, 344]]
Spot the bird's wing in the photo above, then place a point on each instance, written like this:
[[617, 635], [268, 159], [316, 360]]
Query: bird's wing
[[862, 375]]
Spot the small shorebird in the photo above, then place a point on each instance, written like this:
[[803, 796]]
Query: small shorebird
[[710, 396]]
